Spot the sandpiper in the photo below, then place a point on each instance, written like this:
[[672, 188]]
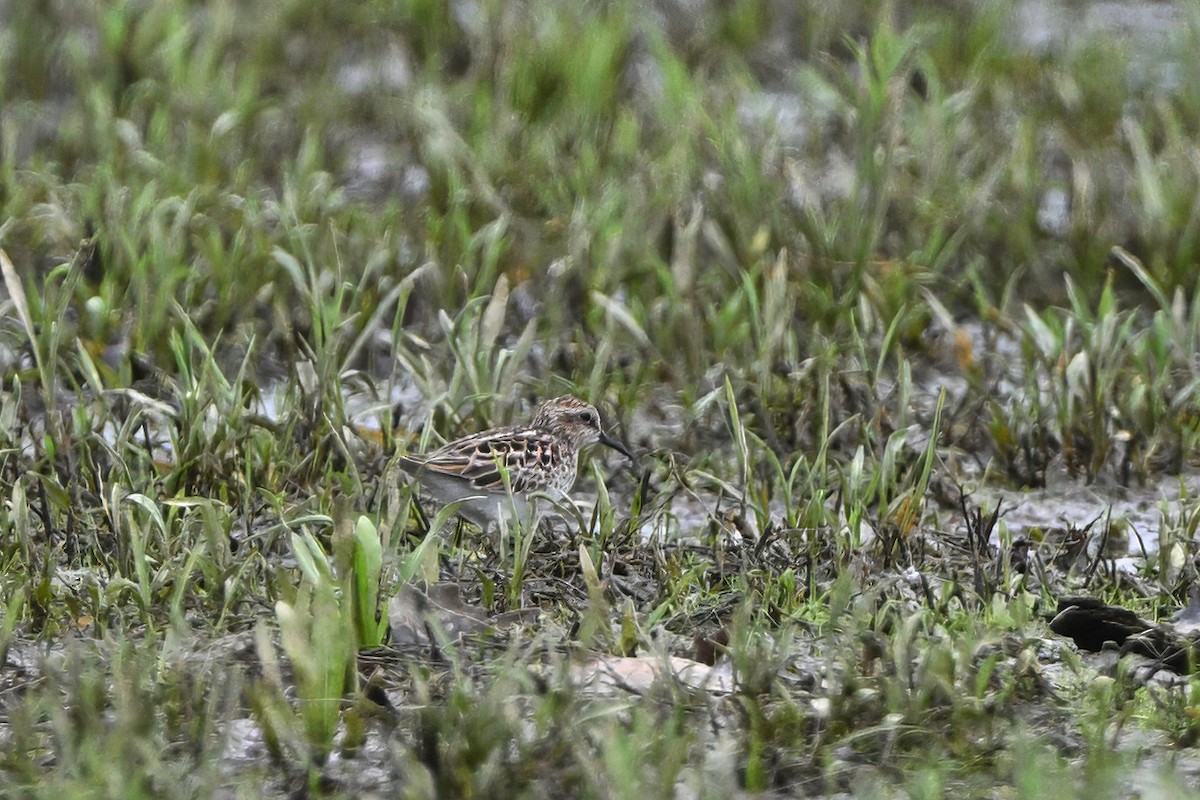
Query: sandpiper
[[497, 470]]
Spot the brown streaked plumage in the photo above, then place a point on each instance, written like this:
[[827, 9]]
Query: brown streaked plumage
[[542, 456]]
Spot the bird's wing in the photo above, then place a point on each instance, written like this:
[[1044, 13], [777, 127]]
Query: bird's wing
[[526, 454]]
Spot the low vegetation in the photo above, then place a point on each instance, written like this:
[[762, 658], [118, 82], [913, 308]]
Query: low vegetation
[[852, 280]]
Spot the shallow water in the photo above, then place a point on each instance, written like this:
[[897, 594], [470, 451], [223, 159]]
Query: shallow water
[[1066, 504]]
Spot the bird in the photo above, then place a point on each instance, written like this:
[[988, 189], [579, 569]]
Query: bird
[[495, 472]]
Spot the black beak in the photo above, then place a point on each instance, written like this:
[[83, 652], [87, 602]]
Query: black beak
[[615, 445]]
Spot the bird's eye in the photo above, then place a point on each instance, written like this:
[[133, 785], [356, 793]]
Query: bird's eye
[[587, 418]]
